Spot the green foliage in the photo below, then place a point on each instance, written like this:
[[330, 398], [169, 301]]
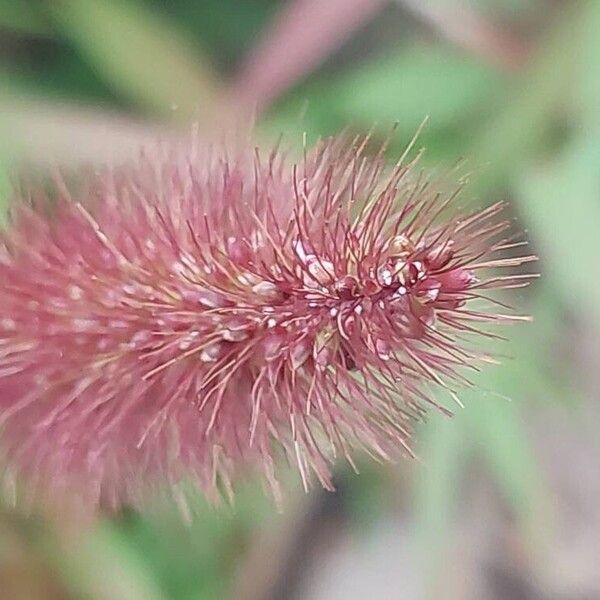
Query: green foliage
[[560, 202], [529, 108], [402, 86], [195, 559], [534, 137], [225, 28], [20, 17], [138, 55], [103, 566], [437, 81]]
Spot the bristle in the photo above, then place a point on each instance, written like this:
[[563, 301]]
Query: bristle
[[199, 309]]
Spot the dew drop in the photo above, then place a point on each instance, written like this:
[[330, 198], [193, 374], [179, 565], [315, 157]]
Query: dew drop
[[383, 349], [386, 276], [267, 290], [83, 324], [230, 335], [210, 353], [8, 324], [178, 267], [57, 303], [140, 337], [75, 292]]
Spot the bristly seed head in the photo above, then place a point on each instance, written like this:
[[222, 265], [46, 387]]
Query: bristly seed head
[[196, 312]]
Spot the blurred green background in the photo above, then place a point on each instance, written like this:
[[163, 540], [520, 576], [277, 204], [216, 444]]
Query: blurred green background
[[505, 501]]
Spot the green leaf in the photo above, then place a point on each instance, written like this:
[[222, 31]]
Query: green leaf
[[560, 201], [6, 162], [527, 112], [20, 17], [4, 188], [197, 558], [496, 424], [443, 449], [140, 56], [101, 565], [491, 429], [416, 82], [502, 439], [587, 87], [404, 87]]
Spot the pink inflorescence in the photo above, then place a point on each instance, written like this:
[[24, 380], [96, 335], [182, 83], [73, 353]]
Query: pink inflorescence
[[201, 310]]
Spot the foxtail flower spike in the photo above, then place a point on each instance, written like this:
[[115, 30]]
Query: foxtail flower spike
[[196, 312]]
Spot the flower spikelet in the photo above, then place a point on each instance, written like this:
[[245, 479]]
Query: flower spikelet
[[201, 310]]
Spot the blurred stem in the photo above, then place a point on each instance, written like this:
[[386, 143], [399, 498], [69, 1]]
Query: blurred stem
[[304, 34], [444, 449], [42, 133], [141, 56], [524, 118], [463, 26]]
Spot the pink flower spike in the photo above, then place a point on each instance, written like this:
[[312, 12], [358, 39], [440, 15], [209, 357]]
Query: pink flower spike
[[196, 312]]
